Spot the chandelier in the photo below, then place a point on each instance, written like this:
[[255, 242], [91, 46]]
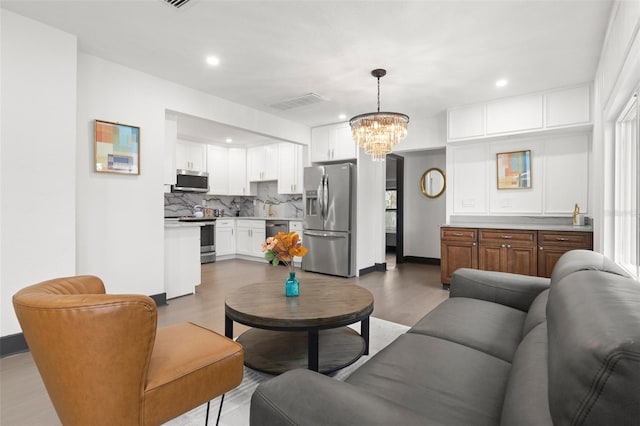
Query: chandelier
[[378, 132]]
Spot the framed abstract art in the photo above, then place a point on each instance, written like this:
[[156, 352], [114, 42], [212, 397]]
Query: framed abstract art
[[514, 169], [117, 148]]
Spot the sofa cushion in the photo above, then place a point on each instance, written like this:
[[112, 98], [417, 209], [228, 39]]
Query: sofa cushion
[[486, 326], [584, 260], [593, 321], [446, 382], [537, 312], [526, 400]]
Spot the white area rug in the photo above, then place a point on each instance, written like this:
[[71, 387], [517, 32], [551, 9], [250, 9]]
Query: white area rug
[[235, 411]]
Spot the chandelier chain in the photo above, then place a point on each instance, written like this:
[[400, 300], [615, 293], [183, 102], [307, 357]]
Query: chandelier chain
[[378, 94]]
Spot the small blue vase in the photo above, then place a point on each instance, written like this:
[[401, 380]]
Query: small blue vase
[[292, 285]]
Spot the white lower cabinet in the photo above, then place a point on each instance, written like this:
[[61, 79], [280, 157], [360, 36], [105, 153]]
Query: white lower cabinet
[[250, 234], [181, 260], [225, 237]]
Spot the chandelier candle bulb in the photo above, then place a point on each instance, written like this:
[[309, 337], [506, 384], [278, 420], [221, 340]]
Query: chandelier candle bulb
[[378, 132]]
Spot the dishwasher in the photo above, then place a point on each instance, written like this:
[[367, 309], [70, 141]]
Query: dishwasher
[[275, 226]]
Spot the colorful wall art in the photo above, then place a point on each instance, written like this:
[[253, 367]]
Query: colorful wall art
[[117, 148], [514, 170]]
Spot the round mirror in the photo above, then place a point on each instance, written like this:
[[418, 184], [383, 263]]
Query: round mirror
[[432, 183]]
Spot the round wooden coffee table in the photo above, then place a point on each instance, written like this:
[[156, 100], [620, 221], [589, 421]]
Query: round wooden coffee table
[[307, 331]]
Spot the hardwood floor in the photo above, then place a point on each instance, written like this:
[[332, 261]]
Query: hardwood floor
[[403, 294]]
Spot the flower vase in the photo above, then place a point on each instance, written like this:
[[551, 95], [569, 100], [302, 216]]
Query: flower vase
[[292, 285]]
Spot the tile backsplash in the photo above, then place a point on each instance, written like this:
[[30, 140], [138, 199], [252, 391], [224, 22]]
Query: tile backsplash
[[282, 206]]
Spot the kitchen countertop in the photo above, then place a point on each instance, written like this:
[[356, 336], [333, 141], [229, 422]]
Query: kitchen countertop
[[264, 218], [174, 222], [522, 226]]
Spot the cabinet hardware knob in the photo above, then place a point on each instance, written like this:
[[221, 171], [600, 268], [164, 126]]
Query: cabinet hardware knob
[[503, 245], [540, 248], [473, 244], [508, 245]]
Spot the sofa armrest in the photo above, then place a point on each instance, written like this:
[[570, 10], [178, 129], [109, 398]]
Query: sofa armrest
[[514, 290], [308, 398]]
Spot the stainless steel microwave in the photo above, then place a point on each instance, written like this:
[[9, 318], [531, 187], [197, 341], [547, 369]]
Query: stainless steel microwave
[[191, 181]]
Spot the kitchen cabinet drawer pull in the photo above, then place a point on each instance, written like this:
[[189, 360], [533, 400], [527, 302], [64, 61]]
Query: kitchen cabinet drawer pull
[[562, 239], [458, 234], [507, 237]]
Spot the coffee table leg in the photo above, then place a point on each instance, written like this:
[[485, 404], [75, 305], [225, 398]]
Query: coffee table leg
[[364, 332], [228, 327], [313, 349]]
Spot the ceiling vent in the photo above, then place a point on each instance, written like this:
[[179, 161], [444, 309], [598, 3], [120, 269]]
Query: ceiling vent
[[297, 102], [176, 3]]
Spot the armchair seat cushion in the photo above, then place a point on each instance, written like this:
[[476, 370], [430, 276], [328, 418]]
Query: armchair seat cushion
[[209, 366]]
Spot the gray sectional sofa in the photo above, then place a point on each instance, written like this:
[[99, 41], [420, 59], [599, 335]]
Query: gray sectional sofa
[[503, 349]]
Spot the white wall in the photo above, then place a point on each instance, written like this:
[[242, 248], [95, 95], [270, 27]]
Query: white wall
[[424, 133], [120, 218], [559, 169], [422, 216], [370, 212], [51, 96], [37, 193]]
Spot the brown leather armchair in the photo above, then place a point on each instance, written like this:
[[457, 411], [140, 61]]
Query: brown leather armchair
[[104, 362]]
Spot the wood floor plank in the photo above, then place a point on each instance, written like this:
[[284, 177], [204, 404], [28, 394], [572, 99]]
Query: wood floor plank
[[403, 294]]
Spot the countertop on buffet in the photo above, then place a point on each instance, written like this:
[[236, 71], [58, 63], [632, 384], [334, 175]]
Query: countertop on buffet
[[573, 228], [523, 223]]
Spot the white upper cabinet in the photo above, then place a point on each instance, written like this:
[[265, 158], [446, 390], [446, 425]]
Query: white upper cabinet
[[332, 143], [191, 156], [547, 110], [514, 114], [218, 168], [466, 122], [262, 163], [290, 170], [568, 107], [238, 184]]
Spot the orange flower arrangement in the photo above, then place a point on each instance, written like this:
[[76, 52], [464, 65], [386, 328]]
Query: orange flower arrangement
[[283, 247]]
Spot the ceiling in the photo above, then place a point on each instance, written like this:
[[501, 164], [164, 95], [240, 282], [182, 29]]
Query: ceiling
[[437, 53]]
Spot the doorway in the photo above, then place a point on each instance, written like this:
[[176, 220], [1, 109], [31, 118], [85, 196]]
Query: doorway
[[394, 210]]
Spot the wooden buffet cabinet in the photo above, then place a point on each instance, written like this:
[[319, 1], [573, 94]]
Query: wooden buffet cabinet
[[527, 252]]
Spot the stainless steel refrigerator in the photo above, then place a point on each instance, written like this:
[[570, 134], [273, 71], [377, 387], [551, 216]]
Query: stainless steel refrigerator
[[329, 219]]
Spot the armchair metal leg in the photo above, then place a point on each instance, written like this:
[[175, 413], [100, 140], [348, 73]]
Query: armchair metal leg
[[206, 419]]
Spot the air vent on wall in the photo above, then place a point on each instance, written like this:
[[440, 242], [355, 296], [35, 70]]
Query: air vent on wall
[[176, 3], [297, 102]]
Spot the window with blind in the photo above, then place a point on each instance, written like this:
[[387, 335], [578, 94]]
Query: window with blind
[[627, 185]]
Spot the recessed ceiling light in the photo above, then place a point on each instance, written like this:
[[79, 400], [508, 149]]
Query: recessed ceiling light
[[342, 116], [213, 60], [228, 140], [501, 83]]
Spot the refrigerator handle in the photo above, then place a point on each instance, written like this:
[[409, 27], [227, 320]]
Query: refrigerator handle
[[322, 234], [325, 195], [320, 188]]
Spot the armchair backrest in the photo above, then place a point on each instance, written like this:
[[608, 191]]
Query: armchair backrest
[[92, 349]]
